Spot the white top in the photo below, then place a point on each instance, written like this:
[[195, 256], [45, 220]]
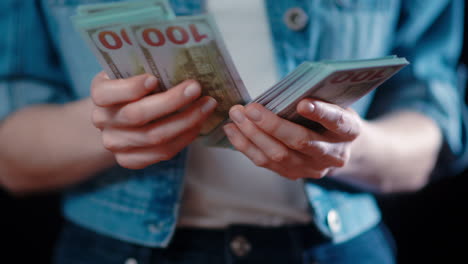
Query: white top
[[223, 186]]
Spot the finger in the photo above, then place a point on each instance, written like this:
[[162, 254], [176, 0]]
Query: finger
[[158, 105], [344, 123], [107, 92], [324, 155], [301, 169], [256, 155], [296, 137], [274, 149], [292, 135], [244, 145], [143, 157], [102, 116], [161, 132]]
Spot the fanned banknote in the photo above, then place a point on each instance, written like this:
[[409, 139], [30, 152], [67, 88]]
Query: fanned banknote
[[192, 48], [134, 37], [107, 35], [338, 82]]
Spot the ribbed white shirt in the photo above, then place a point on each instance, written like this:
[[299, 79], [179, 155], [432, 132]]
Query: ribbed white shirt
[[222, 186]]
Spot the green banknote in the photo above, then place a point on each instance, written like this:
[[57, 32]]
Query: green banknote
[[338, 82], [191, 48], [107, 35]]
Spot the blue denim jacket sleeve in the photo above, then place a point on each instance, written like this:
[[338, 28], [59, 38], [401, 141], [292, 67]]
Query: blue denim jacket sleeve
[[430, 37], [30, 70], [42, 60]]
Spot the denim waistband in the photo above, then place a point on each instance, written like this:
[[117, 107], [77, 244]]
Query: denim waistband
[[237, 244], [234, 244], [303, 236]]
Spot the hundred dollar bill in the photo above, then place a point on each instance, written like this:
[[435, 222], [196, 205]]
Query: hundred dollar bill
[[125, 6], [108, 37], [192, 48], [338, 82]]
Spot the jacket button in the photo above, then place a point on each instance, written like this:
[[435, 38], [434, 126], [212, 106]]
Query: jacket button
[[131, 261], [153, 228], [296, 18], [240, 246], [334, 221]]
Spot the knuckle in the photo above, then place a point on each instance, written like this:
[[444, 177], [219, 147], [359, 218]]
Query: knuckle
[[320, 165], [249, 130], [336, 121], [97, 96], [355, 130], [260, 161], [340, 162], [342, 120], [280, 155], [321, 113], [128, 162], [136, 90], [317, 174], [343, 159], [155, 138], [273, 125], [165, 156], [109, 142], [133, 115], [320, 150], [301, 144], [98, 118], [195, 118], [125, 162], [241, 145]]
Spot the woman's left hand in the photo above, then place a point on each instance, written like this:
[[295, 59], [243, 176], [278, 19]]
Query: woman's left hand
[[292, 150]]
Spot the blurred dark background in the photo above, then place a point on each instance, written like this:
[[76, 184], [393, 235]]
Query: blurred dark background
[[430, 226]]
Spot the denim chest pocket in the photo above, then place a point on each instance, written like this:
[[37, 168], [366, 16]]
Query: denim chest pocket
[[346, 29]]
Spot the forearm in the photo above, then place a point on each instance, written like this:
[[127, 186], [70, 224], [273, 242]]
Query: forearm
[[393, 154], [50, 146]]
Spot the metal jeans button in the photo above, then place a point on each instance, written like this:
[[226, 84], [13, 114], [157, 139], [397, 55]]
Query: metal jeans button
[[334, 221], [296, 18], [240, 246], [131, 261]]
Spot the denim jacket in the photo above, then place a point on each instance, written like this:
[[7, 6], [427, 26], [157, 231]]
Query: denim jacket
[[44, 60]]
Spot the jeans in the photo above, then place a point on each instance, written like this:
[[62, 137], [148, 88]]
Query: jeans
[[236, 244]]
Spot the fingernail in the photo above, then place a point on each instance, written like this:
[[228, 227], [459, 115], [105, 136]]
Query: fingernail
[[192, 89], [237, 116], [254, 115], [229, 131], [209, 105], [150, 82], [310, 107]]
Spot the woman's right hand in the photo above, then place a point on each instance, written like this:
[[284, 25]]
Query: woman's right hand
[[142, 128]]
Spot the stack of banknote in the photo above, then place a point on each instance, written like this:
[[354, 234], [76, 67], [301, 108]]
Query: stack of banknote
[[134, 37]]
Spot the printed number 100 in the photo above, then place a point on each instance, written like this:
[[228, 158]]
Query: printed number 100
[[153, 37], [176, 34]]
